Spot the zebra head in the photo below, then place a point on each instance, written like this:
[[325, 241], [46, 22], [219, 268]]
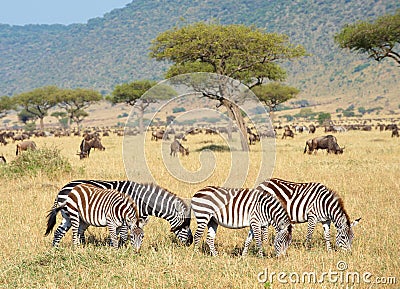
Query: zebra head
[[283, 239], [345, 235], [137, 235], [180, 226]]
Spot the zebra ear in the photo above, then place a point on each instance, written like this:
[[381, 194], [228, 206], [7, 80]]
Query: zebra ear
[[178, 207], [283, 226], [143, 222], [355, 222]]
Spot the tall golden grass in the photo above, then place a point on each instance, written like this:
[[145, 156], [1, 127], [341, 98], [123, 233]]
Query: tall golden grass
[[366, 176]]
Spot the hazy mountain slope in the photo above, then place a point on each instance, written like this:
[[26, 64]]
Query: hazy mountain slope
[[114, 49]]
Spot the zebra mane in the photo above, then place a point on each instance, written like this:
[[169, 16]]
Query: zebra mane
[[341, 204]]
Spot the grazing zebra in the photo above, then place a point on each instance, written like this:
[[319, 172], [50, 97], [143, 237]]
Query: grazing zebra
[[239, 208], [87, 205], [150, 199], [313, 203]]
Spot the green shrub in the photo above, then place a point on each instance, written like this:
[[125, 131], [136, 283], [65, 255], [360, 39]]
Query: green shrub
[[43, 161]]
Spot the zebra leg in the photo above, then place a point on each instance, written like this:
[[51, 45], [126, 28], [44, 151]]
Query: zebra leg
[[62, 229], [212, 231], [112, 229], [81, 231], [123, 233], [310, 230], [327, 234], [248, 242], [201, 226], [257, 236], [264, 230], [75, 230]]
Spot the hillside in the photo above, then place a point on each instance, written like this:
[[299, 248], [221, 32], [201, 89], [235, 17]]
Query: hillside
[[113, 49]]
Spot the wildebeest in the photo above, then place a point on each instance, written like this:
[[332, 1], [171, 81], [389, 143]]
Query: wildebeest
[[312, 128], [156, 135], [180, 136], [25, 145], [328, 142], [176, 146], [86, 146], [335, 128], [253, 138], [20, 137], [3, 139], [395, 132], [287, 132], [210, 131], [2, 159]]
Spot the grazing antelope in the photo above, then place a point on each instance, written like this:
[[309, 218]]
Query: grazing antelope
[[25, 145]]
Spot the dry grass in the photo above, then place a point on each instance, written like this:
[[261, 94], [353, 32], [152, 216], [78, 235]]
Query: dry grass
[[366, 176]]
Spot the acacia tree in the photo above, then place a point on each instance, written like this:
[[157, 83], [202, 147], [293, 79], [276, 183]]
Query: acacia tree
[[274, 93], [38, 101], [379, 39], [134, 94], [239, 52], [75, 101], [6, 105]]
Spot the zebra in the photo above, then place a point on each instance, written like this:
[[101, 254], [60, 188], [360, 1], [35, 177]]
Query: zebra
[[87, 205], [313, 203], [237, 208], [150, 199]]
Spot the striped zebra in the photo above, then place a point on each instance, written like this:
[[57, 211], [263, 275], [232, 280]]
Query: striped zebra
[[87, 205], [239, 208], [313, 203], [150, 199]]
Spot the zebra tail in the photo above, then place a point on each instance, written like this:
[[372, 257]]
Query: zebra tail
[[51, 219]]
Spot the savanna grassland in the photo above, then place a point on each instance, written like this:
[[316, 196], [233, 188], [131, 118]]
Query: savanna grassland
[[366, 176]]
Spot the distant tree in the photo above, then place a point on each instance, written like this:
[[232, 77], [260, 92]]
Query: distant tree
[[61, 117], [323, 117], [274, 93], [380, 39], [25, 116], [79, 116], [38, 101], [75, 101], [362, 110], [6, 105], [138, 95], [246, 54]]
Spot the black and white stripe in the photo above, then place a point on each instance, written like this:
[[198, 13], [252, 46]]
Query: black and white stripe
[[150, 199], [87, 205], [240, 208], [313, 203]]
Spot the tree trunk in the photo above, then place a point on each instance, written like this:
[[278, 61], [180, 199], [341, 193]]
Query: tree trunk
[[41, 124], [236, 115]]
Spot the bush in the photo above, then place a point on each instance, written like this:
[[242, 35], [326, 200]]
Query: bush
[[46, 161], [323, 116]]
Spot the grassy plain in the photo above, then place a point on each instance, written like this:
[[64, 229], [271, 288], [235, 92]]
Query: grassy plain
[[366, 176]]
